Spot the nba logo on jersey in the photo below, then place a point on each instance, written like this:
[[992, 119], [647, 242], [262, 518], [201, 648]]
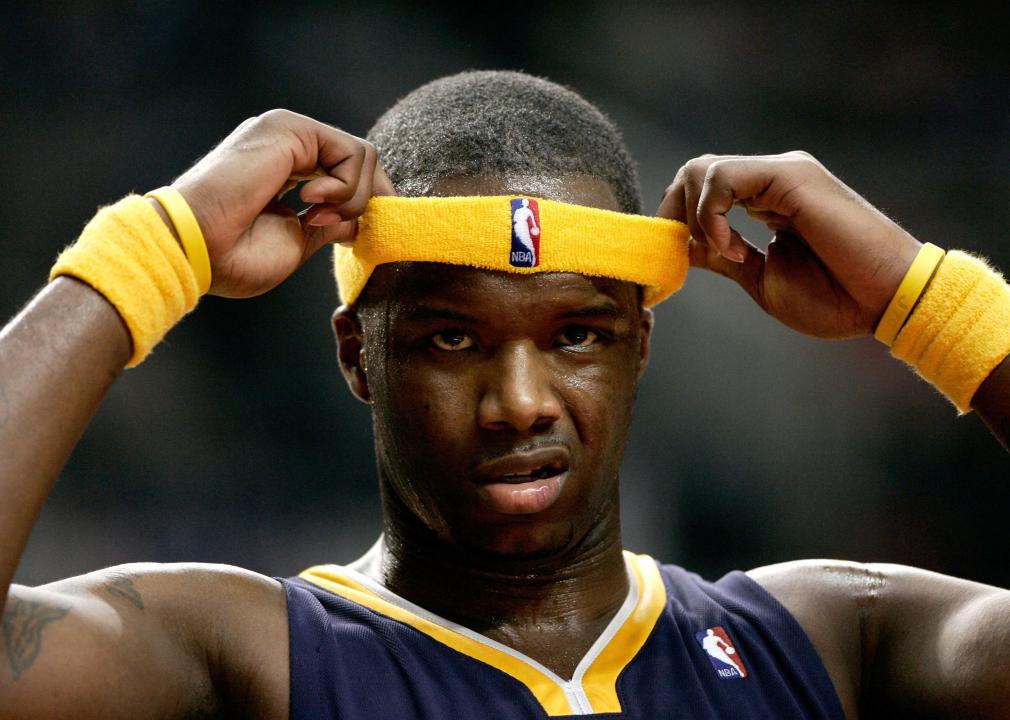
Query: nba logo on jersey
[[722, 653], [525, 250]]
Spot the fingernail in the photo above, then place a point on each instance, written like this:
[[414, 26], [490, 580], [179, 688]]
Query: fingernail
[[325, 217], [735, 254]]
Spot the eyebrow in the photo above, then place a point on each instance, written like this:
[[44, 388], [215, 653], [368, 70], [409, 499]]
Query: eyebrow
[[603, 310], [425, 312]]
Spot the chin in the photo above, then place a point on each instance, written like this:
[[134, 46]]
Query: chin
[[521, 541]]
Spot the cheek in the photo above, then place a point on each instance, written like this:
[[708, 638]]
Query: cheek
[[598, 398], [430, 413]]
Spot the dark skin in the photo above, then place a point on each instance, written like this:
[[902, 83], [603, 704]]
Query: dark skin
[[467, 367], [146, 641]]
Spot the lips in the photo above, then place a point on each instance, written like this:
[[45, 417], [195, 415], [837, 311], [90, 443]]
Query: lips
[[525, 482]]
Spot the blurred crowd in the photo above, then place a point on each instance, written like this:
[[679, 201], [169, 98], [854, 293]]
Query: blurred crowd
[[237, 442]]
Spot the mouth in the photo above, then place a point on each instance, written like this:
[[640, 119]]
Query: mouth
[[524, 483], [539, 473]]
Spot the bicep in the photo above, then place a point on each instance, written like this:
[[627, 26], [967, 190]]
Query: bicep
[[942, 646], [101, 645]]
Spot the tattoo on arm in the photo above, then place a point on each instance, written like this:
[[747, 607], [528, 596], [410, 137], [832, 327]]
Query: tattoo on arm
[[121, 586], [23, 623]]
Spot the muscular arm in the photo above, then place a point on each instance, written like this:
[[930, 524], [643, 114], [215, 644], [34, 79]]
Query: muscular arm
[[138, 641], [58, 358], [902, 642], [833, 264], [147, 642]]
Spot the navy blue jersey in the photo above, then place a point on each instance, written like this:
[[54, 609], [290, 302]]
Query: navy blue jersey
[[679, 647]]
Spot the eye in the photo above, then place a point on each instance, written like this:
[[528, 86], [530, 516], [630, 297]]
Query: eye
[[452, 340], [577, 336]]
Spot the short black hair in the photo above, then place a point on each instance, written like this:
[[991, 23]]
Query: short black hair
[[492, 121]]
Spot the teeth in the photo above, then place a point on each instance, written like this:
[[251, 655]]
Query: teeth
[[537, 474]]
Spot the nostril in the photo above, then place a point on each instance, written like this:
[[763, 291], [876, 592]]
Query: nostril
[[542, 423]]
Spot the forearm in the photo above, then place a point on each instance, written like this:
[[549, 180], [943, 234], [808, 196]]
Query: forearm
[[58, 358], [992, 402]]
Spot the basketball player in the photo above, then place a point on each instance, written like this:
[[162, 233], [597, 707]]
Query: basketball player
[[501, 401]]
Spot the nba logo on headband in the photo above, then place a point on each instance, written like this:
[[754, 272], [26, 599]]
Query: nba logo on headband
[[525, 233]]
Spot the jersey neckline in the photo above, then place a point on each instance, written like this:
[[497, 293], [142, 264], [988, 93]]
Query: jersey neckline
[[593, 686]]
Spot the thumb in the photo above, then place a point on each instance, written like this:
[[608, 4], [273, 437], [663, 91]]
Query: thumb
[[747, 274], [318, 236]]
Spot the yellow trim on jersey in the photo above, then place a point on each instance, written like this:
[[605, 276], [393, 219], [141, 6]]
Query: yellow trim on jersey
[[600, 680], [548, 693]]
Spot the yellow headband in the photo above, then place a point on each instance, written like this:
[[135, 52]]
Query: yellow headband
[[515, 234]]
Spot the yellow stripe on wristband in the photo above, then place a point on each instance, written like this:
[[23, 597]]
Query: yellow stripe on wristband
[[190, 235], [127, 253], [908, 293], [960, 330]]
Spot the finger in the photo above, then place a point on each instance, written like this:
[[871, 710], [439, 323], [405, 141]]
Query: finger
[[324, 189], [772, 219], [381, 184], [317, 237], [726, 182], [672, 204], [747, 274], [699, 259], [321, 215], [363, 189], [348, 172], [748, 180], [693, 181]]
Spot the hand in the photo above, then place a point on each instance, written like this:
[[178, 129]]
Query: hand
[[254, 242], [835, 261]]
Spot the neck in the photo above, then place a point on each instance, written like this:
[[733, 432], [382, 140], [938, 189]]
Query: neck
[[572, 592]]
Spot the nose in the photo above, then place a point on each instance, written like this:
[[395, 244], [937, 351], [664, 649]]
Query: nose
[[519, 393]]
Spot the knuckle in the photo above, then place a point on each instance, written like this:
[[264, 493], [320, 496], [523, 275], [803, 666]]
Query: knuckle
[[277, 114], [804, 159], [714, 170], [696, 164], [273, 118]]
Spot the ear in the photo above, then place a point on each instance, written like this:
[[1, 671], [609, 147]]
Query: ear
[[351, 351], [645, 340]]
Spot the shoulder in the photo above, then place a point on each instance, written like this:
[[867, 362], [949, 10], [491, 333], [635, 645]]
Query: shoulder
[[206, 636], [234, 621], [801, 584], [830, 599], [176, 587], [921, 640], [219, 611]]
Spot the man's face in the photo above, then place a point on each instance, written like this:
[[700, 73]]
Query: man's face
[[501, 402]]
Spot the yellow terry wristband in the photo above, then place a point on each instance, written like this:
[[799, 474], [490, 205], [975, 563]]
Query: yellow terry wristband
[[518, 235], [918, 276], [128, 254], [190, 234], [960, 330]]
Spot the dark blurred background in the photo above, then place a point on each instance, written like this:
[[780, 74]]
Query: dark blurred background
[[237, 441]]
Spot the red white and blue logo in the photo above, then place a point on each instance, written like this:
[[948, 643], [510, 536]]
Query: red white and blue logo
[[722, 653], [525, 250]]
